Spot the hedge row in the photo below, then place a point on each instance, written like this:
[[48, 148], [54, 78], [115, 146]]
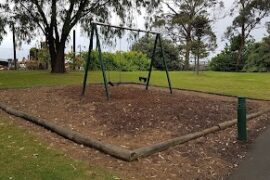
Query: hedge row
[[120, 61]]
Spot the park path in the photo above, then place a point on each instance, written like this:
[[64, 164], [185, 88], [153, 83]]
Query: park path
[[257, 164]]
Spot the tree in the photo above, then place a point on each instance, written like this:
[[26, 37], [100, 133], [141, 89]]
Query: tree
[[177, 18], [226, 60], [56, 18], [171, 52], [2, 25], [259, 57], [250, 14], [204, 39], [268, 28]]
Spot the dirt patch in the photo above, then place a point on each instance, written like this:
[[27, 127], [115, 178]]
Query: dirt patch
[[214, 156], [132, 118], [211, 157]]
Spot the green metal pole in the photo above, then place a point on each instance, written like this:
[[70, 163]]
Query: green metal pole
[[152, 62], [88, 59], [165, 64], [242, 119], [102, 65]]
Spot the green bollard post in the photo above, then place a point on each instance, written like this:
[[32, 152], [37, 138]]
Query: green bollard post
[[242, 119]]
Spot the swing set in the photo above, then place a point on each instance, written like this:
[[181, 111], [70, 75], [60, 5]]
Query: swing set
[[94, 32]]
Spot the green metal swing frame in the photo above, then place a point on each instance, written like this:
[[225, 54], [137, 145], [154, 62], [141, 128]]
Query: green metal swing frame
[[94, 32]]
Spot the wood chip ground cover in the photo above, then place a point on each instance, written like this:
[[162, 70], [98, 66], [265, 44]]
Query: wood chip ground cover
[[210, 157], [132, 118]]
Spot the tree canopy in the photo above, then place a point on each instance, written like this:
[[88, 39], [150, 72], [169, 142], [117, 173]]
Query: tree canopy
[[56, 18], [180, 19], [249, 15], [256, 57], [187, 25], [171, 52], [3, 22], [226, 60], [259, 57]]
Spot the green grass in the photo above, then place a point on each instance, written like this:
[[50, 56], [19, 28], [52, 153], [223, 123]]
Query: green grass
[[24, 157], [252, 85]]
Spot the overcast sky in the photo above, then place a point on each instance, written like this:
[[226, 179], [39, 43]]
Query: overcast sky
[[220, 26]]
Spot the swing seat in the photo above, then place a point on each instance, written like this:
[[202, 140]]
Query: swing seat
[[143, 79], [110, 83]]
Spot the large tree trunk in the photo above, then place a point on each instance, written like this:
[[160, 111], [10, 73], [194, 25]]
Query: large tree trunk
[[59, 61], [57, 54]]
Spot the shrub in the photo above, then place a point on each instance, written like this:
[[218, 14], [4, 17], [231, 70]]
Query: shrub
[[32, 65], [223, 62], [119, 61]]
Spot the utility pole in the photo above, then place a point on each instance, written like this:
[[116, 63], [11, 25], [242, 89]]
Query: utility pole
[[14, 48], [74, 49]]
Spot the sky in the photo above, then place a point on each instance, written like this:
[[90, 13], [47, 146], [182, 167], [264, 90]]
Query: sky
[[6, 50]]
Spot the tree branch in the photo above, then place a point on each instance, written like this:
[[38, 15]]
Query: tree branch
[[41, 12], [34, 18]]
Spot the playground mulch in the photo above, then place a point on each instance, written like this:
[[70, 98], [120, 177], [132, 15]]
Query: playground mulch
[[135, 118], [132, 118]]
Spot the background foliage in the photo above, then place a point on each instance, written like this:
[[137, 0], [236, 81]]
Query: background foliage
[[227, 59], [119, 61], [171, 52], [259, 57]]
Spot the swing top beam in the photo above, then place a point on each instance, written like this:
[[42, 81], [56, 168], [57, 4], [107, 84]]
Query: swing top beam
[[125, 28]]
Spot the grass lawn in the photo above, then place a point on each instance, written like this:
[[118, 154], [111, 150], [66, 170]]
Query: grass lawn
[[253, 85], [24, 157]]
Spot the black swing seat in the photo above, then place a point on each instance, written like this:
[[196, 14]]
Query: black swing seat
[[143, 79], [111, 83]]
